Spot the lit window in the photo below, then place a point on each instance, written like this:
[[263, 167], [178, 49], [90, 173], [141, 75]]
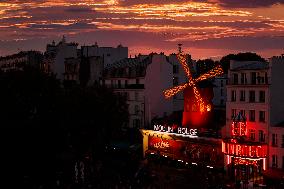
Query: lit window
[[242, 95], [274, 140], [252, 115], [261, 96], [251, 96], [261, 136], [261, 116], [274, 161], [233, 96], [252, 134]]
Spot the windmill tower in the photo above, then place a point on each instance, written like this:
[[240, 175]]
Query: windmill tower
[[197, 105]]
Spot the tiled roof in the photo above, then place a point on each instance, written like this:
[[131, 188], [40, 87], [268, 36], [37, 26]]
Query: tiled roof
[[253, 65], [130, 62]]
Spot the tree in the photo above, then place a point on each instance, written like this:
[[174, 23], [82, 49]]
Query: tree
[[203, 66], [248, 56], [45, 125]]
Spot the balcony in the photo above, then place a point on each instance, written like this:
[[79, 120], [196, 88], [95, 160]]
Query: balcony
[[257, 81], [129, 86]]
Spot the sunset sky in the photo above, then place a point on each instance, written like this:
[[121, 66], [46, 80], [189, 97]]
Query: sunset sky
[[206, 28]]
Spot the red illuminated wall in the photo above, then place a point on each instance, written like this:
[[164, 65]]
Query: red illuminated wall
[[188, 151], [192, 117]]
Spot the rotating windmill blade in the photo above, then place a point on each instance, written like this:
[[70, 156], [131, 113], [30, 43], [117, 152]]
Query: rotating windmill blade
[[192, 82]]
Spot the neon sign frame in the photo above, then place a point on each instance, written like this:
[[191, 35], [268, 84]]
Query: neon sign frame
[[180, 131]]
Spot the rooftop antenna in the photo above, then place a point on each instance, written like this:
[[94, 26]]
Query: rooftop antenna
[[179, 48]]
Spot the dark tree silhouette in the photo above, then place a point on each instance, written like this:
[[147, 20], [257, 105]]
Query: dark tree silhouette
[[202, 66], [46, 127]]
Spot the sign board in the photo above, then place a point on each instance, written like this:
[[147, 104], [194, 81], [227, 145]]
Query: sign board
[[176, 130]]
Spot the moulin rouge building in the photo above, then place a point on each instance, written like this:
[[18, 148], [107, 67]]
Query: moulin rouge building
[[184, 142], [252, 141]]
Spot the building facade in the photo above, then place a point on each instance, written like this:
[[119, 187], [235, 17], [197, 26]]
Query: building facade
[[142, 81], [254, 97], [109, 54], [220, 92], [84, 66], [55, 55], [19, 60]]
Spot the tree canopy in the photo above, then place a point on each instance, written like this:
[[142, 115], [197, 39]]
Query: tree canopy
[[43, 122]]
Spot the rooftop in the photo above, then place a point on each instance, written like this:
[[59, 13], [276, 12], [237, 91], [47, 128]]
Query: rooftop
[[130, 62], [251, 65]]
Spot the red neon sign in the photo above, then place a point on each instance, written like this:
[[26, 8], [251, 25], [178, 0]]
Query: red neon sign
[[244, 150], [241, 161], [239, 129]]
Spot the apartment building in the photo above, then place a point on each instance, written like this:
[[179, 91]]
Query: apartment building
[[66, 61], [19, 60], [142, 81], [254, 93]]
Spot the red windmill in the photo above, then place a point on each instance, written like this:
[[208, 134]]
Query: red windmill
[[195, 109]]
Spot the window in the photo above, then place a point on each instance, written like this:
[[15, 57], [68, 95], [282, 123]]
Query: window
[[253, 78], [137, 81], [175, 69], [242, 95], [235, 79], [222, 84], [261, 116], [274, 161], [283, 162], [282, 145], [221, 102], [252, 134], [252, 115], [274, 140], [261, 96], [251, 96], [126, 83], [222, 91], [233, 96], [136, 109], [234, 113], [175, 81], [261, 136], [260, 79], [243, 112], [119, 84], [136, 96], [243, 78], [136, 123]]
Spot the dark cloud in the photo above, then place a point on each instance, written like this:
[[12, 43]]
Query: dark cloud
[[75, 26], [77, 9], [223, 3], [248, 3], [245, 43]]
